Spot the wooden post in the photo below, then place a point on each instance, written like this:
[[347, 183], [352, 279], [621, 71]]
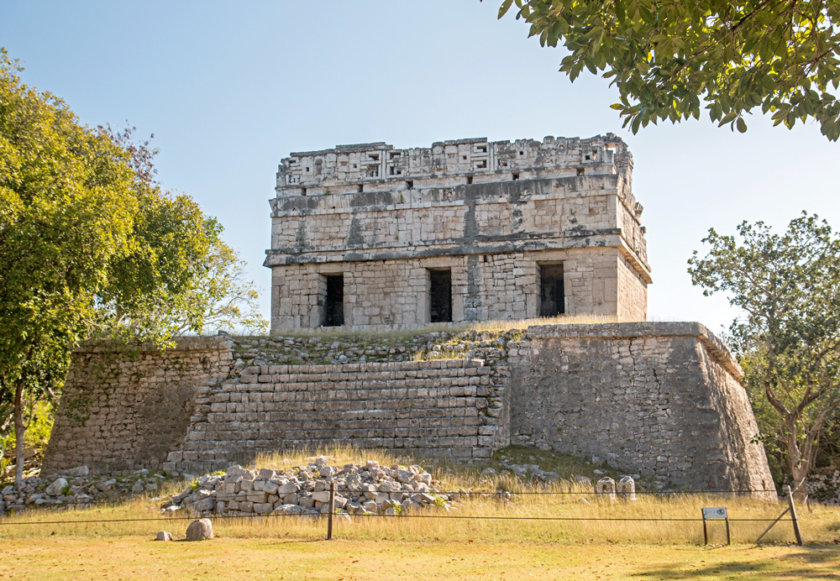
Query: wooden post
[[332, 510], [705, 532], [795, 520], [728, 538]]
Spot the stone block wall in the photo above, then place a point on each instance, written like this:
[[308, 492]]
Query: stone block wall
[[631, 301], [489, 211], [439, 408], [661, 399], [123, 410], [395, 293]]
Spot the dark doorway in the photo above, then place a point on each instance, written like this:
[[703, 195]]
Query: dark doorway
[[334, 304], [440, 296], [552, 295]]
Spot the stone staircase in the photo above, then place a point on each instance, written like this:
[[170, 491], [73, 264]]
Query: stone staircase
[[437, 408]]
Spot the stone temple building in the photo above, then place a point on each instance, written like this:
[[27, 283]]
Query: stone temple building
[[369, 236]]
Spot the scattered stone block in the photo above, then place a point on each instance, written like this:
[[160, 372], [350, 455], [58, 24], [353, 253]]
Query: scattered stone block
[[605, 488], [200, 530], [626, 489], [56, 487]]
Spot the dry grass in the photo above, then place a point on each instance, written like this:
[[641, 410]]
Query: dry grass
[[142, 558], [498, 325], [536, 513], [485, 543]]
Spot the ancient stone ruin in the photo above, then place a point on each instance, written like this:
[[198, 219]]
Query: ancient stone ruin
[[372, 237], [663, 400], [369, 236]]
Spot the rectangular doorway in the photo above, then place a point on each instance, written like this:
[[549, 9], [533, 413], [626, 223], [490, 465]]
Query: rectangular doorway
[[440, 295], [552, 293], [334, 301]]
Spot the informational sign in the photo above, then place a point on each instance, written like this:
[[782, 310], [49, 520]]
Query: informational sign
[[714, 512]]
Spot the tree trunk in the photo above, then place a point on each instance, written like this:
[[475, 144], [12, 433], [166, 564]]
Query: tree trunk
[[799, 466], [20, 429]]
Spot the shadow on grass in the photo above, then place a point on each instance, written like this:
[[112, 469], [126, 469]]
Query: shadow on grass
[[813, 562]]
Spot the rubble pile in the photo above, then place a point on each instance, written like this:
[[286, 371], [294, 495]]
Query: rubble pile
[[305, 490], [76, 488], [825, 488]]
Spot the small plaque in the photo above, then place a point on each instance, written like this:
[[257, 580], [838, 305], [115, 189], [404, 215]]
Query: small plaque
[[714, 512]]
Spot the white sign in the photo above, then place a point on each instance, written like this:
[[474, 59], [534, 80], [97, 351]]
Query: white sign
[[714, 512]]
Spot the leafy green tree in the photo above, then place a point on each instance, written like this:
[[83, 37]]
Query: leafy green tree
[[89, 245], [669, 59], [159, 285], [788, 340]]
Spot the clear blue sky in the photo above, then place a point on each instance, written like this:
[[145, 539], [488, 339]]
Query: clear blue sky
[[229, 88]]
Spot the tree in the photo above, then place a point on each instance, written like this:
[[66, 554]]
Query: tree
[[669, 59], [788, 341], [147, 300], [89, 244]]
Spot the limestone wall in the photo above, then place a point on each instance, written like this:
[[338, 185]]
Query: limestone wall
[[121, 411], [341, 168], [486, 216], [441, 408], [663, 400], [660, 399], [489, 211], [395, 293]]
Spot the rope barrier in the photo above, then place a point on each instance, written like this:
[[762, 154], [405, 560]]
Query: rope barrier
[[370, 516], [553, 492]]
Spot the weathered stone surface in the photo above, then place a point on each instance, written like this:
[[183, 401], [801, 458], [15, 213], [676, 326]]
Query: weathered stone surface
[[312, 498], [605, 487], [73, 491], [289, 487], [205, 504], [824, 487], [163, 536], [107, 391], [662, 400], [489, 212], [56, 487], [200, 530], [77, 471], [626, 489]]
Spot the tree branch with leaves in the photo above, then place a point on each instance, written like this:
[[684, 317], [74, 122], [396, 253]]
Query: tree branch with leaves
[[788, 342], [90, 246], [670, 59]]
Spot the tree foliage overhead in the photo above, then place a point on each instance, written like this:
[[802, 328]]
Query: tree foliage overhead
[[788, 341], [670, 58], [90, 245]]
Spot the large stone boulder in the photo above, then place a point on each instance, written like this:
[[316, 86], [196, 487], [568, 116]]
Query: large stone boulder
[[56, 487], [200, 530]]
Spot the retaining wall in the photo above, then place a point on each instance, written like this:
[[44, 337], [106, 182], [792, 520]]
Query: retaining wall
[[440, 408], [660, 399], [122, 411]]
